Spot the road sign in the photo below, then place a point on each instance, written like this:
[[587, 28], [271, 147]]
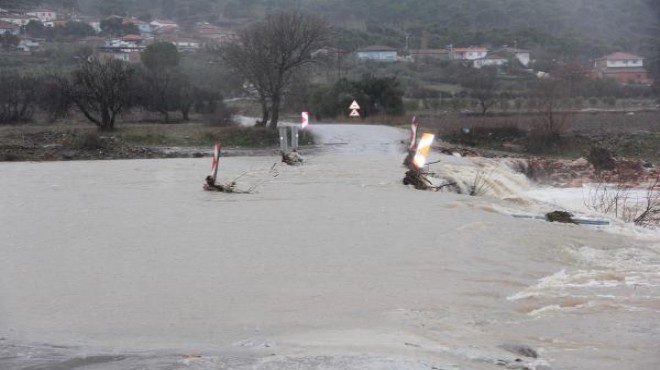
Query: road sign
[[354, 113], [304, 119], [413, 134], [354, 105]]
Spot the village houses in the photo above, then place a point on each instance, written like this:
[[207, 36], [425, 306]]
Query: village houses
[[623, 67]]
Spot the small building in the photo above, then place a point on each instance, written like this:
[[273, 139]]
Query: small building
[[29, 44], [378, 53], [132, 40], [623, 67], [44, 15], [181, 43], [158, 23], [6, 27], [17, 19], [470, 53], [130, 55], [494, 59]]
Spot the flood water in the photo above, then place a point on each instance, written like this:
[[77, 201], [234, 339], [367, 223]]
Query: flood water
[[333, 264]]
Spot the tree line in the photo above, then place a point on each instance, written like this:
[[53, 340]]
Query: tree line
[[101, 90]]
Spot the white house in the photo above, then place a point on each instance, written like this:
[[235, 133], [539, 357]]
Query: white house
[[43, 15], [29, 44], [620, 59], [158, 23], [378, 53], [20, 20], [494, 59], [181, 43], [470, 53]]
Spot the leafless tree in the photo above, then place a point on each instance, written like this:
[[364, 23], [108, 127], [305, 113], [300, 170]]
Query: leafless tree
[[268, 55], [101, 90], [552, 123], [483, 85], [643, 209], [18, 95]]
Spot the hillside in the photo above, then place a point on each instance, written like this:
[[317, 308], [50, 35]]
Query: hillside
[[566, 28]]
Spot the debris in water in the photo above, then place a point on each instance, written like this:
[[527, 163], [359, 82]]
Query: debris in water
[[560, 216]]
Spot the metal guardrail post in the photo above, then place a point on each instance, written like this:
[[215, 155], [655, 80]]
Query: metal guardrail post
[[284, 145], [294, 137]]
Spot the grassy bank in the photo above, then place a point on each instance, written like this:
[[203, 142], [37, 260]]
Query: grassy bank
[[634, 136], [82, 141]]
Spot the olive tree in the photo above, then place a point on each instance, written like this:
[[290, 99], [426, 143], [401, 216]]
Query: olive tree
[[271, 52]]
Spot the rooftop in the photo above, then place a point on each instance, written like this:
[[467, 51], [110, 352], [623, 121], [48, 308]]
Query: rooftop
[[621, 55], [377, 48]]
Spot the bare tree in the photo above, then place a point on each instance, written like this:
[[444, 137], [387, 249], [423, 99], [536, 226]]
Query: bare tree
[[626, 203], [270, 53], [551, 123], [482, 84], [18, 97], [101, 90]]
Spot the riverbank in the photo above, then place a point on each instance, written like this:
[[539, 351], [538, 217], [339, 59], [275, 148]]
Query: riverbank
[[133, 141]]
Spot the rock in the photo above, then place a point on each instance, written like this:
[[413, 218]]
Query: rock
[[69, 154]]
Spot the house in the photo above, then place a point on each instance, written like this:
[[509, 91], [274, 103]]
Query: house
[[44, 15], [132, 40], [29, 44], [181, 43], [126, 55], [158, 23], [470, 53], [494, 59], [378, 53], [426, 55], [17, 19], [6, 27], [623, 67]]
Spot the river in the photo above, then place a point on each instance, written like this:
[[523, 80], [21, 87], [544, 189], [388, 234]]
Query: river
[[128, 264]]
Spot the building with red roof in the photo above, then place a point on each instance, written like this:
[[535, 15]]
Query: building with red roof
[[623, 67]]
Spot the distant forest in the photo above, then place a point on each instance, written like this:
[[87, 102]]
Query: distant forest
[[570, 29]]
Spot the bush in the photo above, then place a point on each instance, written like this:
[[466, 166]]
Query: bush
[[220, 116], [601, 158], [85, 141]]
